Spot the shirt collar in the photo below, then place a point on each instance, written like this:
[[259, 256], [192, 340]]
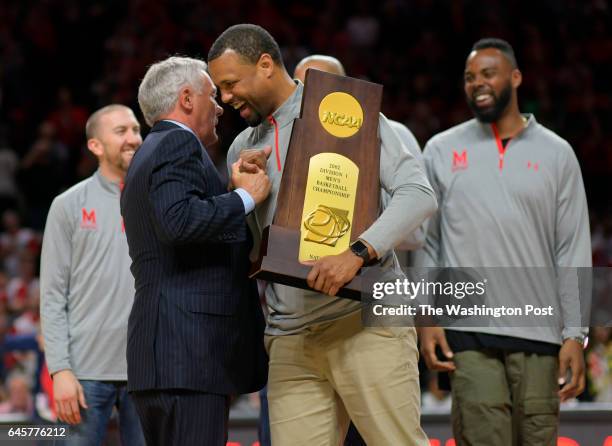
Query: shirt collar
[[290, 109], [531, 120], [531, 123], [108, 185], [181, 125]]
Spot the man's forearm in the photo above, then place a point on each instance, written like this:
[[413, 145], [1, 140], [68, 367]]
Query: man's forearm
[[408, 208]]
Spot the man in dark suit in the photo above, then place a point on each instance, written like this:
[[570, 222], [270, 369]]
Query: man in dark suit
[[196, 327]]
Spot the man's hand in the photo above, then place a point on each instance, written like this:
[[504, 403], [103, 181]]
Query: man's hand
[[331, 273], [257, 184], [429, 338], [68, 394], [571, 357], [253, 159]]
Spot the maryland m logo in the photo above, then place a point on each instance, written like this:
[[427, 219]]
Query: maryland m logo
[[459, 161], [88, 219]]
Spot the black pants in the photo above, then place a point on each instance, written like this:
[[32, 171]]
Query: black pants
[[178, 417]]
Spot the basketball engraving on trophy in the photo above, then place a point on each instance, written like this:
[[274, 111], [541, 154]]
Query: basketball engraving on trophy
[[326, 225], [329, 205]]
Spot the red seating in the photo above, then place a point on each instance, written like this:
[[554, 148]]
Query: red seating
[[564, 441]]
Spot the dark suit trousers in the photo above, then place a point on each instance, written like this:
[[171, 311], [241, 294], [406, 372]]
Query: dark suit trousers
[[177, 417]]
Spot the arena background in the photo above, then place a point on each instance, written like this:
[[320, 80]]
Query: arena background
[[60, 60]]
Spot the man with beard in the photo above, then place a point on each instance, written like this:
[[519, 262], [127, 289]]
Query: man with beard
[[511, 195], [325, 366], [87, 289]]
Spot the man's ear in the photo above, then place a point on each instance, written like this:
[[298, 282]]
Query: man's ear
[[185, 99], [95, 146], [517, 78], [266, 65]]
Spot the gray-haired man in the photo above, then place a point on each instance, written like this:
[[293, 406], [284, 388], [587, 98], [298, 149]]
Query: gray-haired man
[[196, 327]]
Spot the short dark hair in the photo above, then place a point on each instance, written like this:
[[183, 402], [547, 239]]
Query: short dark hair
[[500, 44], [249, 41]]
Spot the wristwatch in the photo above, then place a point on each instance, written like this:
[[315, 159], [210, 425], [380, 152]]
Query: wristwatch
[[579, 339], [361, 250]]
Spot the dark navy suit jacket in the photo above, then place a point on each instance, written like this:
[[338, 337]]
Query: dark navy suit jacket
[[196, 322]]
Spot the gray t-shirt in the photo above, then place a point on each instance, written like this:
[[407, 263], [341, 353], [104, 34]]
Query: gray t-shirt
[[87, 288]]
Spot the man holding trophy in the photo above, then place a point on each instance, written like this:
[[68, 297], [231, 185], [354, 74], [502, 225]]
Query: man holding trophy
[[325, 366]]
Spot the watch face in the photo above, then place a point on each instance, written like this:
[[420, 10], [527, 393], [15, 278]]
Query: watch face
[[360, 249], [357, 246]]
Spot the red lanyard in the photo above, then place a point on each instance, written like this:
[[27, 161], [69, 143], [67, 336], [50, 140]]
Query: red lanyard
[[275, 124], [500, 147]]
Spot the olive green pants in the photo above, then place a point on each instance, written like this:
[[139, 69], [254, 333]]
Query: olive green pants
[[505, 399]]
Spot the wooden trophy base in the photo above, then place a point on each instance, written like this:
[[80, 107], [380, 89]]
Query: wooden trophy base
[[278, 263]]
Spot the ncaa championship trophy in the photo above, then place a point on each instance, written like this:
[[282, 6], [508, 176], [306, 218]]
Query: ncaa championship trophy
[[329, 191]]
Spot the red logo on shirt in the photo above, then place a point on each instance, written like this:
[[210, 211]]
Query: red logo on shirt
[[88, 219], [459, 161], [534, 166]]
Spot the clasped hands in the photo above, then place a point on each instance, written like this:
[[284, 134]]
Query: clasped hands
[[249, 173]]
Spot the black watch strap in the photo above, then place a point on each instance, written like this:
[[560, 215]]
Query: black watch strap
[[361, 250]]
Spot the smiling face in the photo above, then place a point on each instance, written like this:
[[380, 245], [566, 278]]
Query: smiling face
[[490, 84], [116, 140], [243, 85]]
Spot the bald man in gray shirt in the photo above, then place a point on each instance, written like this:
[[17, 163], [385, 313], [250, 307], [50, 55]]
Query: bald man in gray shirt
[[87, 288], [415, 239], [329, 64]]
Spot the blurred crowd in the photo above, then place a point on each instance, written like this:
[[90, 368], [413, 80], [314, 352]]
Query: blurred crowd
[[59, 60]]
